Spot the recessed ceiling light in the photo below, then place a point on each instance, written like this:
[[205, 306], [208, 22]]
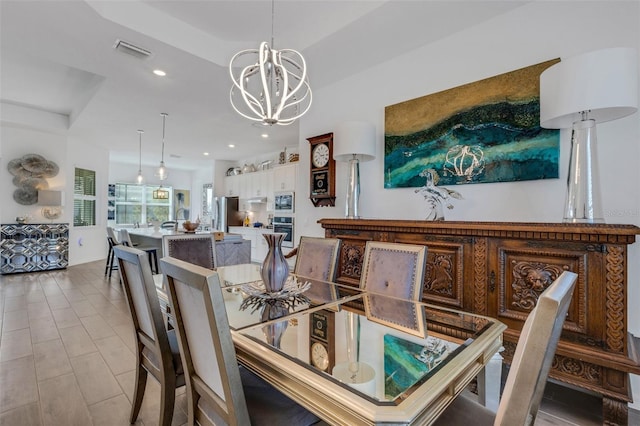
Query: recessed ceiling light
[[265, 135], [205, 153], [231, 145], [159, 73]]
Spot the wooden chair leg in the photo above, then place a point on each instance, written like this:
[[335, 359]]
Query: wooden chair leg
[[109, 261], [167, 400], [113, 255], [191, 408], [155, 261], [138, 393]]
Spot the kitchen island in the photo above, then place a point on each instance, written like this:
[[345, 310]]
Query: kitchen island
[[231, 250]]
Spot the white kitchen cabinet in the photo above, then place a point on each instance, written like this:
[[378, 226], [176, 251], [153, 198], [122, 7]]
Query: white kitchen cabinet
[[250, 185], [262, 184], [243, 186], [284, 178], [232, 185]]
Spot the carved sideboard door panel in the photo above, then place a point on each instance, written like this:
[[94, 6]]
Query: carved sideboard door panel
[[445, 270], [524, 269], [449, 265], [499, 269]]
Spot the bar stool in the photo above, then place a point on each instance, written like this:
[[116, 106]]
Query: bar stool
[[112, 240], [152, 252]]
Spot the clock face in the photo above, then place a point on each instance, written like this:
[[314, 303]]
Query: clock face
[[320, 155], [319, 356]]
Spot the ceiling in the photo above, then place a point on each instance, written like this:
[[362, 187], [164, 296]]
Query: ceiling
[[59, 57]]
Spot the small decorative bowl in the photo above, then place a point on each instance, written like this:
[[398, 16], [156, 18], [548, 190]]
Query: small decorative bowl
[[190, 226]]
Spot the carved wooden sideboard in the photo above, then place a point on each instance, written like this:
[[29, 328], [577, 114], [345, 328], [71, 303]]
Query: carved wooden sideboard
[[499, 270]]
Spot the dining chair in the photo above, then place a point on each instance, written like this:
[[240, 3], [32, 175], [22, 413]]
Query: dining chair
[[198, 249], [156, 348], [112, 240], [152, 252], [316, 258], [530, 366], [169, 224], [394, 269], [218, 390]]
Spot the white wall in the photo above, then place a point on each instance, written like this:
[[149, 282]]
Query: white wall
[[18, 141], [89, 243], [531, 34], [85, 244]]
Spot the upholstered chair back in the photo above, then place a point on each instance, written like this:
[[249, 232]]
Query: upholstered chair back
[[317, 258], [198, 249]]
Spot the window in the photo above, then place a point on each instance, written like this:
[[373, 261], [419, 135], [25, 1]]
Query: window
[[136, 204], [84, 197]]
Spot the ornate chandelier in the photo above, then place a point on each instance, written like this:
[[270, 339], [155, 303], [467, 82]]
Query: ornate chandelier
[[271, 87]]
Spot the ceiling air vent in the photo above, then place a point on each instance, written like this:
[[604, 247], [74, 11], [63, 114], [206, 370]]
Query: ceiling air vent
[[131, 49]]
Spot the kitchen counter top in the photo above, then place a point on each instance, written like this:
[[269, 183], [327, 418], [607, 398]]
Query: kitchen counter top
[[151, 233]]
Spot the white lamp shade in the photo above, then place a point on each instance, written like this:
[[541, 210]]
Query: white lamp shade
[[50, 198], [604, 82], [354, 138]]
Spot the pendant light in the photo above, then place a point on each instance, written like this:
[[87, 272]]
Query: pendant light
[[140, 178], [162, 173], [272, 87]]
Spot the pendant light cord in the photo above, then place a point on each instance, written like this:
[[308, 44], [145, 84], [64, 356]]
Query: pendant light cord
[[140, 132], [272, 19], [164, 117]]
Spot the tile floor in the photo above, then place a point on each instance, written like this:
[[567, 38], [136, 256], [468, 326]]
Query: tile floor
[[66, 357]]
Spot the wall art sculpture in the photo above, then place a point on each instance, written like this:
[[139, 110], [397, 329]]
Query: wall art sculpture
[[485, 131], [29, 175]]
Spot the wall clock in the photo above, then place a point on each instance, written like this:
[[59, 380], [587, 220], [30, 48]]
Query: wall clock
[[322, 169], [322, 340]]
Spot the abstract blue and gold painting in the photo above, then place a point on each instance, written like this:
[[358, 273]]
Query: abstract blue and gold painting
[[485, 131]]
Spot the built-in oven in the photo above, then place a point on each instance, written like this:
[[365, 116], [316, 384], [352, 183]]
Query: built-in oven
[[284, 202], [284, 225]]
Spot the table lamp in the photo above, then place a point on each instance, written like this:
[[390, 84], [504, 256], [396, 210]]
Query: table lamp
[[578, 92], [51, 202], [354, 141]]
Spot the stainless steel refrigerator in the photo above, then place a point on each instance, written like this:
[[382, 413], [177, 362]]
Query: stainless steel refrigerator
[[225, 213]]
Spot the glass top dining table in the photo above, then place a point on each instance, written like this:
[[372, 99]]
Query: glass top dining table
[[354, 357]]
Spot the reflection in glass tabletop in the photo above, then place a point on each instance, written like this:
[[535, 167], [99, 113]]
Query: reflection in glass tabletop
[[375, 360], [371, 354], [304, 293]]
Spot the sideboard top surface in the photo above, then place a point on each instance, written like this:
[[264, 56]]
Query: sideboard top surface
[[597, 232]]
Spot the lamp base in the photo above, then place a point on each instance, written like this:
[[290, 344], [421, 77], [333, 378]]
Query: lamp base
[[583, 189], [353, 190]]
